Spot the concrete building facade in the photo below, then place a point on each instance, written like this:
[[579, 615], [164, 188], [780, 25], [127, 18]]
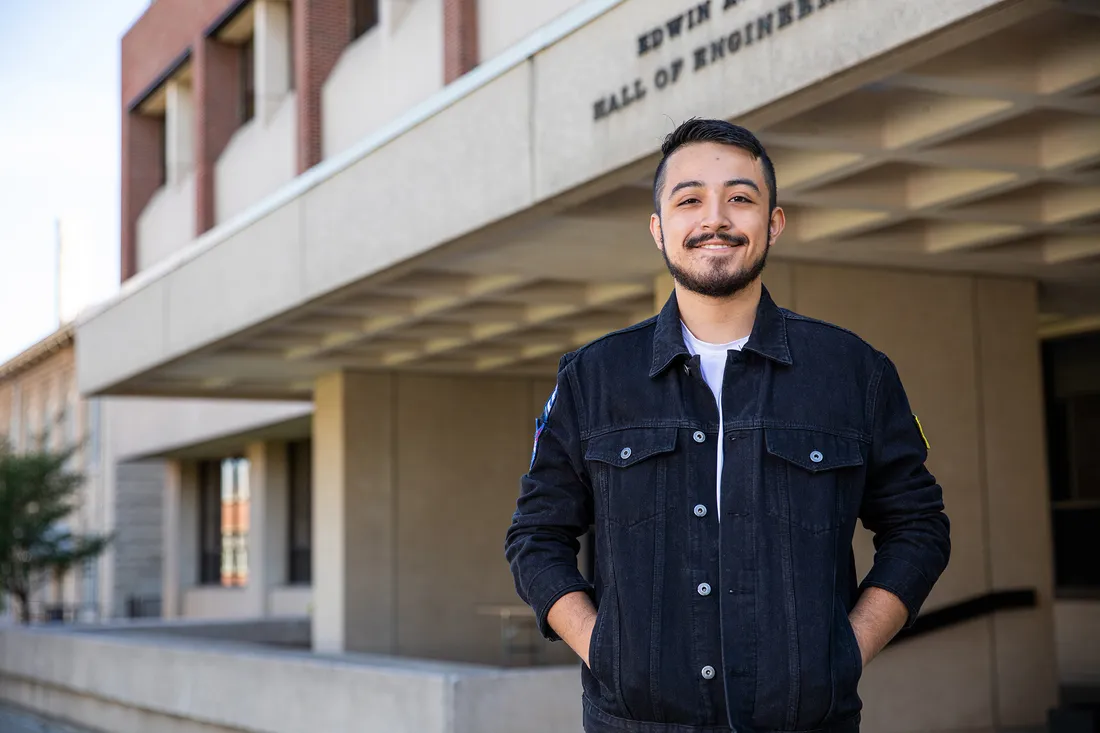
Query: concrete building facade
[[400, 213]]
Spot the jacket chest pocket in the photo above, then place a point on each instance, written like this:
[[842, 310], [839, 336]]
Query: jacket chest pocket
[[630, 468], [809, 476]]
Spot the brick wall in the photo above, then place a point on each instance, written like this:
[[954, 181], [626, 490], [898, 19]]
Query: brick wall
[[460, 49], [217, 88], [142, 173], [322, 29], [162, 35]]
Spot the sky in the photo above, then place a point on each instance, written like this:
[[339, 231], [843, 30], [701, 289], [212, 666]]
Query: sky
[[59, 160]]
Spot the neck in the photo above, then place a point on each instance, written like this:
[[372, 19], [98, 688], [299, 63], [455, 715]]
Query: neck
[[719, 320]]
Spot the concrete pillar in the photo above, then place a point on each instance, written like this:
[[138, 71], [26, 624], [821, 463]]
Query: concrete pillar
[[179, 131], [272, 49], [354, 514], [267, 523], [181, 535], [1017, 498]]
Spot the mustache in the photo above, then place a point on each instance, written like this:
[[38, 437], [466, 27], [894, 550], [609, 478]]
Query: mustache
[[732, 239]]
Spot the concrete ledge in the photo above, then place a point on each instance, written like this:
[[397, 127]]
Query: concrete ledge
[[294, 632], [129, 682]]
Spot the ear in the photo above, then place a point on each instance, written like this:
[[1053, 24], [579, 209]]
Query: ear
[[777, 223], [656, 231]]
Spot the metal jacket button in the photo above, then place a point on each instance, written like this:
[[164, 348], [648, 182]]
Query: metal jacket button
[[816, 456], [700, 510], [707, 672], [699, 436], [625, 453], [704, 589]]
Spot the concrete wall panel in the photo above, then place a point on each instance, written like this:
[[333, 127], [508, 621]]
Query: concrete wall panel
[[217, 603], [572, 147], [291, 601], [390, 206], [461, 443], [384, 73], [501, 23], [167, 223], [102, 346], [259, 159], [211, 293], [1077, 625]]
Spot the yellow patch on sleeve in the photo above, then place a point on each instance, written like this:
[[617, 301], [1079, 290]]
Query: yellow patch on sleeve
[[922, 435]]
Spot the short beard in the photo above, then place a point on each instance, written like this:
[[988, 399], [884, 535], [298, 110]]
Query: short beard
[[716, 284]]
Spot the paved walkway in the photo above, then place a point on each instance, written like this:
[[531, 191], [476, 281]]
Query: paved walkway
[[13, 720]]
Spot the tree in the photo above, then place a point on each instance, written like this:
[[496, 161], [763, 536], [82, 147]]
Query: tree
[[37, 493]]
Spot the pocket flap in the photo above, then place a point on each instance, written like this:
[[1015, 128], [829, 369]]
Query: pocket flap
[[813, 450], [624, 448]]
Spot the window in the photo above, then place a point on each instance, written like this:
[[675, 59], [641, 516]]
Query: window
[[300, 469], [210, 523], [248, 81], [1072, 375], [364, 16], [223, 522], [162, 150]]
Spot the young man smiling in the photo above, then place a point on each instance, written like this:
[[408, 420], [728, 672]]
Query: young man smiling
[[724, 451]]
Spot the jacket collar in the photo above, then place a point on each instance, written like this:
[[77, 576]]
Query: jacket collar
[[768, 337]]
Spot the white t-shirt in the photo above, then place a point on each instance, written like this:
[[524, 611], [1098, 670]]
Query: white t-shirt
[[712, 357]]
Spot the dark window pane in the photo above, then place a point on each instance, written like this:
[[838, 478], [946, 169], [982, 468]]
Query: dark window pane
[[1084, 446], [364, 16], [300, 465], [248, 81], [210, 522], [1076, 547]]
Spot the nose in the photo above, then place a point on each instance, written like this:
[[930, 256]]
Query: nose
[[714, 217]]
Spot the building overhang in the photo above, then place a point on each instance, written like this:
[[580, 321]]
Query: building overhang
[[505, 220]]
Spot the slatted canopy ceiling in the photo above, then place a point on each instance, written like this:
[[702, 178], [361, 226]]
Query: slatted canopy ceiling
[[986, 159]]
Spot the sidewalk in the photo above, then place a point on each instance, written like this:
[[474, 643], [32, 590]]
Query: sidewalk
[[14, 720]]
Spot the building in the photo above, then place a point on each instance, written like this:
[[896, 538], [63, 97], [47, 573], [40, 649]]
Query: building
[[119, 443], [404, 211]]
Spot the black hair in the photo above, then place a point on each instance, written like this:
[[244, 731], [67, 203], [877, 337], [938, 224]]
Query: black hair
[[698, 130]]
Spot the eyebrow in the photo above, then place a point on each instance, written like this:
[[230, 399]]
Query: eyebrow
[[729, 184]]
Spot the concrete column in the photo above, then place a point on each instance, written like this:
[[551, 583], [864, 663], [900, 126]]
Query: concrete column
[[181, 530], [272, 48], [267, 523], [1017, 498], [179, 129], [354, 514], [170, 575]]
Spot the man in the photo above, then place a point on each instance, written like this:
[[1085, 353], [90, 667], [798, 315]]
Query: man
[[724, 451]]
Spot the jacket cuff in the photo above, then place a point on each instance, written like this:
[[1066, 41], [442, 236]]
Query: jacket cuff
[[547, 587], [903, 579]]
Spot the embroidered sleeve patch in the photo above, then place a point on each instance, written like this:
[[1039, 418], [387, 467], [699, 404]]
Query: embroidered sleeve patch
[[922, 435], [540, 423]]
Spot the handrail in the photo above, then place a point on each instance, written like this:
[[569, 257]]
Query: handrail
[[968, 610]]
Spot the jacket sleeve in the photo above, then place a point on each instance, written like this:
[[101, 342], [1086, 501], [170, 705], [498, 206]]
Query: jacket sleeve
[[553, 510], [902, 502]]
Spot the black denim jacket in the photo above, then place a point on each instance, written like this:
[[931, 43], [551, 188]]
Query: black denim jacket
[[708, 625]]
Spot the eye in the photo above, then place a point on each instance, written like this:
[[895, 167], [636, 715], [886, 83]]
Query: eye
[[689, 200], [741, 199]]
